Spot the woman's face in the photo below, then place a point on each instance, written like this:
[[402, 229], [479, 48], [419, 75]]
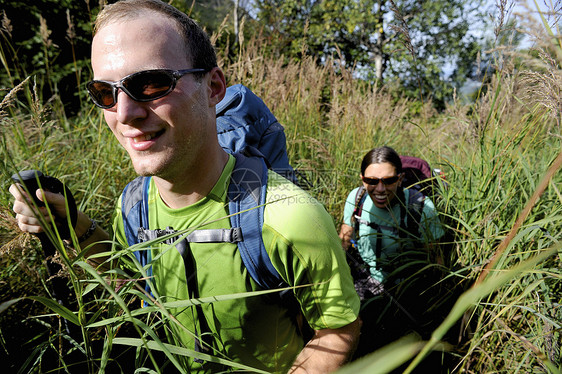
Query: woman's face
[[381, 182]]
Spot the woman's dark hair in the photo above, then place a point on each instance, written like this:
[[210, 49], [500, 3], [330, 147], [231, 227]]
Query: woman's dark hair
[[379, 156]]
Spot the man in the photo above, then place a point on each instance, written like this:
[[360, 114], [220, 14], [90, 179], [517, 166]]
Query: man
[[170, 134]]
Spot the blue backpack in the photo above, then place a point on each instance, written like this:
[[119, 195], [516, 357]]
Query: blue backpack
[[244, 120], [247, 129]]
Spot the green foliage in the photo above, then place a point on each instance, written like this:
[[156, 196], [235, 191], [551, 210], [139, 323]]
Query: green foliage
[[494, 155], [52, 39], [438, 48], [49, 39], [416, 42], [209, 14]]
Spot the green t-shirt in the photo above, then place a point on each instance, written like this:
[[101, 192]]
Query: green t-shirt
[[387, 234], [303, 245]]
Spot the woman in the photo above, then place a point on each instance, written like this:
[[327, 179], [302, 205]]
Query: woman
[[382, 219], [390, 227]]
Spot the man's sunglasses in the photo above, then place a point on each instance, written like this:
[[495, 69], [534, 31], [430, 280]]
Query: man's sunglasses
[[142, 86], [386, 181]]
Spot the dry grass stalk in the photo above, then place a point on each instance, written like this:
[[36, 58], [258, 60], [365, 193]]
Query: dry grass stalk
[[542, 76], [16, 250], [70, 32], [7, 100], [505, 9], [545, 89], [6, 24], [401, 28], [45, 32], [222, 28], [511, 90]]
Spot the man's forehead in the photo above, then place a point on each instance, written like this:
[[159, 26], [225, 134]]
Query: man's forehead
[[152, 23], [126, 46], [152, 30]]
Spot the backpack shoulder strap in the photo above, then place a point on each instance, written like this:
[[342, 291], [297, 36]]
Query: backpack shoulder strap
[[413, 211], [134, 208], [246, 195], [360, 198], [134, 211]]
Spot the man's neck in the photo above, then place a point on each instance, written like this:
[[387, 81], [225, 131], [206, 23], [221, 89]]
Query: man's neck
[[192, 185]]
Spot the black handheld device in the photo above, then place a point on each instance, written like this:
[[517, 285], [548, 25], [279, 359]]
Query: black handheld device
[[34, 179]]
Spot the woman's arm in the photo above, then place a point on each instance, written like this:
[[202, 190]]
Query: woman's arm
[[346, 234]]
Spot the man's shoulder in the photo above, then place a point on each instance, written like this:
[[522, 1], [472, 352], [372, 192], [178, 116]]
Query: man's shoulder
[[289, 207], [282, 192]]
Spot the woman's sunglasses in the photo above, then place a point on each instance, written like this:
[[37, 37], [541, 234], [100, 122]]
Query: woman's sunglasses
[[386, 181], [142, 86]]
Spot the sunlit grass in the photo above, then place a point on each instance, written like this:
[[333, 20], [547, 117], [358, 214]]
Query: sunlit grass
[[494, 154]]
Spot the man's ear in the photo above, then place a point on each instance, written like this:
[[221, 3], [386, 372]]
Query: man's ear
[[217, 86], [400, 179]]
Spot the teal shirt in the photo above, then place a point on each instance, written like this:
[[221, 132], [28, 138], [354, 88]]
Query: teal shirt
[[303, 245], [388, 220]]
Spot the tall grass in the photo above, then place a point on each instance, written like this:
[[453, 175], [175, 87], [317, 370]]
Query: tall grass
[[494, 153]]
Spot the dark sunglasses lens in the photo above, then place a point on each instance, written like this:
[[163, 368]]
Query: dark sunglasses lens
[[390, 180], [385, 181], [149, 85], [101, 93]]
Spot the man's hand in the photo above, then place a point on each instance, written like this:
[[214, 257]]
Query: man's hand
[[27, 213], [328, 350]]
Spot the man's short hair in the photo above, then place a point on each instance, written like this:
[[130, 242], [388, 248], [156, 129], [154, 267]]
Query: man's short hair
[[200, 52]]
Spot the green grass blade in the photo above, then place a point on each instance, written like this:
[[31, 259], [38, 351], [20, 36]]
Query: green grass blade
[[159, 346], [474, 295], [59, 309], [385, 359]]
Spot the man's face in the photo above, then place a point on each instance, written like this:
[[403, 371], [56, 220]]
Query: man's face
[[165, 136]]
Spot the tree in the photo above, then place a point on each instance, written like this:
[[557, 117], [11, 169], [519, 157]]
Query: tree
[[439, 50], [209, 13], [424, 45]]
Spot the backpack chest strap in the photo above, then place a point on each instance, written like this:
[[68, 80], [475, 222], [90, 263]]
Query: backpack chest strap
[[361, 221], [375, 226], [232, 235]]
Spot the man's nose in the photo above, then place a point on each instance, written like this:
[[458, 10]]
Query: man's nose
[[128, 109]]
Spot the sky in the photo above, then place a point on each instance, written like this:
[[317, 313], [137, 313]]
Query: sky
[[545, 6], [470, 86]]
